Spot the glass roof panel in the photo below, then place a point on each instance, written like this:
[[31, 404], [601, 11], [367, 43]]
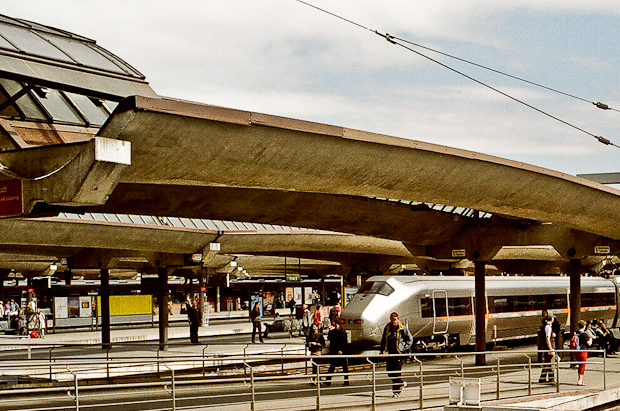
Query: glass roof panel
[[29, 42], [59, 109], [25, 103], [199, 224], [124, 218], [6, 45], [210, 224], [82, 53], [95, 115], [187, 222], [112, 217], [149, 220]]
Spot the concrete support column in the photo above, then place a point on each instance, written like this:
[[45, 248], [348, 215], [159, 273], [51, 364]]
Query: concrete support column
[[104, 297], [217, 299], [162, 300], [480, 287], [575, 293]]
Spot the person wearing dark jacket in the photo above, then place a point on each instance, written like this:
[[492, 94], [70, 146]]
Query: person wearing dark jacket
[[338, 346], [396, 339], [315, 343], [193, 316], [256, 320]]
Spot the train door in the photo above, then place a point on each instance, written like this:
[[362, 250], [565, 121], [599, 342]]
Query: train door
[[440, 312]]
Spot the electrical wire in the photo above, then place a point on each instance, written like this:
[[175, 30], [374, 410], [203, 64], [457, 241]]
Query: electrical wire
[[396, 41], [600, 105]]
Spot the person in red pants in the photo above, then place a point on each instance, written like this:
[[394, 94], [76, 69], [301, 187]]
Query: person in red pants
[[581, 341]]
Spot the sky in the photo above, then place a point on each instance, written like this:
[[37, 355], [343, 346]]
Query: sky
[[285, 58]]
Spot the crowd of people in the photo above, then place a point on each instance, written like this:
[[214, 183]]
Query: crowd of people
[[23, 319], [589, 333]]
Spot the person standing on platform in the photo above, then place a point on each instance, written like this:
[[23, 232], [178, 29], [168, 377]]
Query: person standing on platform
[[256, 320], [291, 305], [581, 341], [546, 373], [338, 346], [396, 339], [42, 322], [193, 316], [318, 317], [315, 343], [306, 320]]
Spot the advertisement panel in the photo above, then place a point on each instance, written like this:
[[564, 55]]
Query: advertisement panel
[[60, 307], [297, 295]]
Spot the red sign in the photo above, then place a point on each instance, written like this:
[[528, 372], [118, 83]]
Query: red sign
[[11, 199], [31, 291], [203, 289]]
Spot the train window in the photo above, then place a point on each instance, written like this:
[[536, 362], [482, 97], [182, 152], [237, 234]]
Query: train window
[[459, 306], [426, 307], [557, 301], [377, 287], [597, 300]]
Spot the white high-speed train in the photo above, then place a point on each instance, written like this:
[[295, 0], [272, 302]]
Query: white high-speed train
[[440, 310]]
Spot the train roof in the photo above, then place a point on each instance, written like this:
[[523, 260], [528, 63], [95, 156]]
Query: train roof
[[508, 284]]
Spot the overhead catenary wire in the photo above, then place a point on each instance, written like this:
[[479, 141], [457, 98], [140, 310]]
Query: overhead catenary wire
[[397, 41]]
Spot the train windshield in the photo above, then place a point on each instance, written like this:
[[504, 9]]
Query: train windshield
[[376, 287]]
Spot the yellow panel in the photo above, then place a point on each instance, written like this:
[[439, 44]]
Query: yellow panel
[[128, 305]]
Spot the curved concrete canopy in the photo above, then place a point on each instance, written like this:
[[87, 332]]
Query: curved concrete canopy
[[35, 243], [187, 147]]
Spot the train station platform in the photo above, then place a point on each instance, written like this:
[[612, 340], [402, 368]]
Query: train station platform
[[218, 324], [518, 391]]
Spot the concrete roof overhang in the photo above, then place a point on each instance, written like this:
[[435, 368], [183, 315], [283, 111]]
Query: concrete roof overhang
[[197, 160], [34, 244]]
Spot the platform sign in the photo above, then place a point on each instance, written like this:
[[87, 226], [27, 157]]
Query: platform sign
[[11, 197], [602, 249]]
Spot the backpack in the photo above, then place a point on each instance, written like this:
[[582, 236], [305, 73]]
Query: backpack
[[574, 341]]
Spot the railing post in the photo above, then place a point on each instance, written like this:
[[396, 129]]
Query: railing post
[[318, 384], [529, 374], [462, 365], [421, 400], [203, 361], [107, 362], [498, 379], [158, 350], [77, 395], [374, 384], [604, 370], [557, 372], [282, 357], [253, 392], [50, 356], [174, 398]]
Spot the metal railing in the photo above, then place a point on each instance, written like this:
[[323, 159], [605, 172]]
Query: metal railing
[[178, 381]]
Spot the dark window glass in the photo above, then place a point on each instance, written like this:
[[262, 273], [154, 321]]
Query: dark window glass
[[459, 306], [377, 287], [440, 307], [426, 306], [597, 299], [557, 301]]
